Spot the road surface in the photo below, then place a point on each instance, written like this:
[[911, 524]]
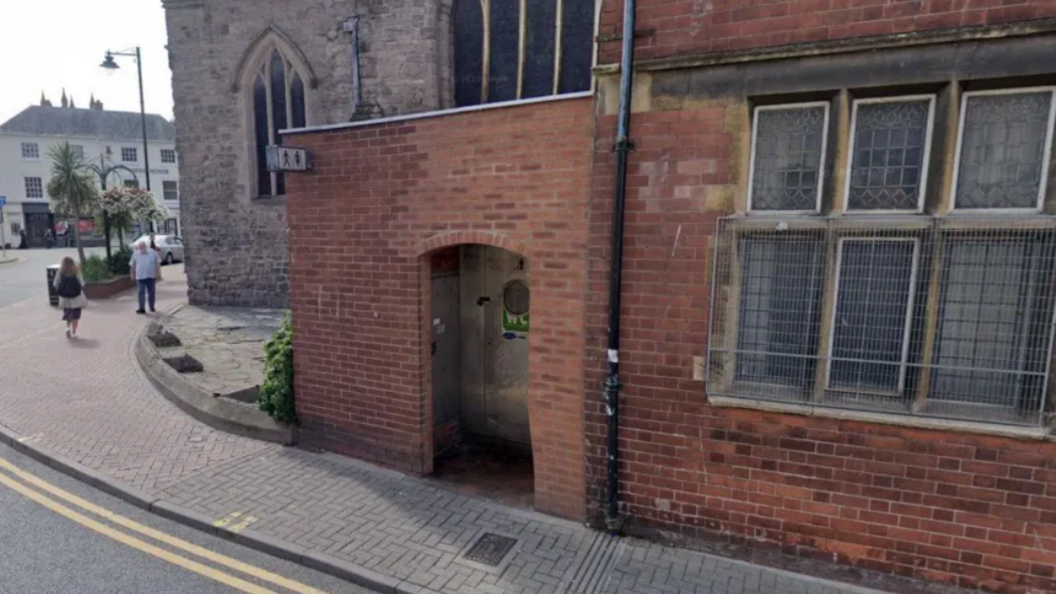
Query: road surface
[[60, 536], [26, 278]]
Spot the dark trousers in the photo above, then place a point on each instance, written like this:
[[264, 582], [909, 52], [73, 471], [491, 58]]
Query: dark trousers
[[146, 291]]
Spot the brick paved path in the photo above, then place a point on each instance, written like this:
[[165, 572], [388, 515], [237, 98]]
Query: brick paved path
[[87, 401]]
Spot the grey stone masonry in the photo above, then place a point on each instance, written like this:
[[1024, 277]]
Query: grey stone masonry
[[228, 341], [236, 242]]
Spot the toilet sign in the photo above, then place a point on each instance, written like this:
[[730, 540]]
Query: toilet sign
[[288, 158]]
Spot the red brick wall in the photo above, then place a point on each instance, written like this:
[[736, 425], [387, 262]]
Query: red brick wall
[[361, 224], [698, 26], [965, 509]]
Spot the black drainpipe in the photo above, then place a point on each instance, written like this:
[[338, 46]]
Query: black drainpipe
[[612, 381]]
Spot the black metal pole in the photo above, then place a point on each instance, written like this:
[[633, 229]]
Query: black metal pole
[[612, 380], [103, 172], [143, 119], [106, 225]]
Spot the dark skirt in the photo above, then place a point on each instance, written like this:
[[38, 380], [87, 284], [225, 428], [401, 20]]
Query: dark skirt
[[71, 313]]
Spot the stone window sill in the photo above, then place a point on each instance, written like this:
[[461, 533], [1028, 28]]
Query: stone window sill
[[1024, 433], [270, 200]]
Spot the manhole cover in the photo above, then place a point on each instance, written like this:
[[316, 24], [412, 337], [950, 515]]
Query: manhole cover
[[490, 549]]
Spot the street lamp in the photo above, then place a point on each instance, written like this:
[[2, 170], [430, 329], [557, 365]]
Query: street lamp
[[104, 171], [110, 65]]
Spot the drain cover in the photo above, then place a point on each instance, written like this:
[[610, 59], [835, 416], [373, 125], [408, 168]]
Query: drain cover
[[490, 549]]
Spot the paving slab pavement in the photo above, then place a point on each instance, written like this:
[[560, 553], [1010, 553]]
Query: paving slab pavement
[[87, 402], [228, 341]]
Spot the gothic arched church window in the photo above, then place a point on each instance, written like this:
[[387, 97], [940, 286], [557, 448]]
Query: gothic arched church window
[[278, 104], [518, 49]]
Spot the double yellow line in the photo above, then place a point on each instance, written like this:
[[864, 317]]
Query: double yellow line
[[139, 544]]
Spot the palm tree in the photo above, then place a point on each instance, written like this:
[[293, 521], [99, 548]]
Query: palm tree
[[71, 188]]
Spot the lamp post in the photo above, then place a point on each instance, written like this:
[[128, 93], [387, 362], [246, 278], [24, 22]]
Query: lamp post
[[104, 171], [110, 65]]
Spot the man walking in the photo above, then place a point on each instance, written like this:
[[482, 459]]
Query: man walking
[[145, 265]]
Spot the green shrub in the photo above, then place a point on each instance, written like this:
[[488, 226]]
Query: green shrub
[[276, 393], [95, 269], [118, 262]]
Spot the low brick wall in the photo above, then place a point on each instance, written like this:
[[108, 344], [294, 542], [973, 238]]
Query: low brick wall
[[107, 289]]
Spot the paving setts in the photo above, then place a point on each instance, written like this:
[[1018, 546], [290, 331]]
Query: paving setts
[[87, 401]]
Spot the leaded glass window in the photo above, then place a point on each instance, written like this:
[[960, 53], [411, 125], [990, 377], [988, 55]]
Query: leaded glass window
[[278, 103], [1003, 148], [890, 143], [940, 316], [788, 157]]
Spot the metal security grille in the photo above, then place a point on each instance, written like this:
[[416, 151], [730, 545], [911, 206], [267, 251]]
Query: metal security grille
[[924, 317], [491, 549]]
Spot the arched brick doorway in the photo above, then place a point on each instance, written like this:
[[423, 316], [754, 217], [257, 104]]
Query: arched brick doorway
[[480, 328]]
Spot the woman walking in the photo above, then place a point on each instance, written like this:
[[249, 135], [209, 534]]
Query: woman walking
[[69, 284]]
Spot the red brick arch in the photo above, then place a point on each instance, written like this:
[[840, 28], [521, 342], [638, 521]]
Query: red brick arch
[[453, 238]]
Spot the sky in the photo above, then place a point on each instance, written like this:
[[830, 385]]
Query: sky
[[49, 45]]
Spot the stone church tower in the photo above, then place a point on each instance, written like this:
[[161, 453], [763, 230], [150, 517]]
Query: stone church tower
[[242, 71]]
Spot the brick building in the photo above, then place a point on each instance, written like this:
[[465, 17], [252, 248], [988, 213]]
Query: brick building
[[840, 216], [838, 278]]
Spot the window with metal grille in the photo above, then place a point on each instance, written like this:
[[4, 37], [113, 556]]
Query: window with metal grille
[[915, 314], [170, 190], [935, 319], [168, 156], [1003, 153], [129, 154], [891, 141], [776, 334], [870, 320], [788, 157], [992, 335], [34, 187], [30, 150]]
